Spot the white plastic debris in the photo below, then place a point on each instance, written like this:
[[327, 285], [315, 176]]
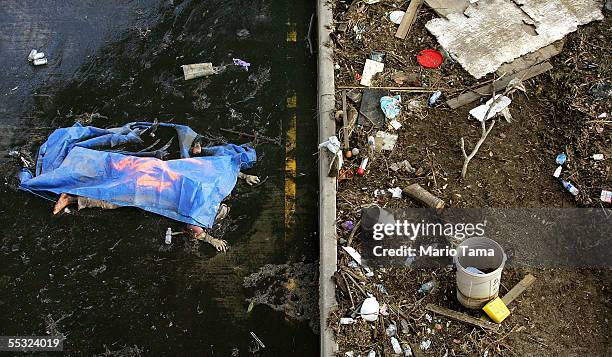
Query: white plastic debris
[[349, 354], [353, 253], [425, 344], [369, 70], [391, 330], [407, 351], [196, 70], [369, 309], [40, 61], [402, 165], [395, 192], [557, 172], [388, 140], [396, 16], [333, 145], [598, 157], [396, 346], [501, 102], [35, 55], [606, 196], [346, 320], [372, 353], [395, 124]]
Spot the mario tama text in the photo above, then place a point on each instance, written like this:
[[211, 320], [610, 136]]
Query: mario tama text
[[431, 251]]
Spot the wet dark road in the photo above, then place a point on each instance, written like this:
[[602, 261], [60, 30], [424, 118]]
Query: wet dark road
[[105, 279]]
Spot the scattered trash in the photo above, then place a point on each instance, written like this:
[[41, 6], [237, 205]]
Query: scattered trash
[[601, 90], [473, 270], [557, 172], [168, 238], [369, 111], [396, 346], [348, 225], [372, 353], [391, 106], [377, 56], [371, 143], [241, 63], [396, 16], [370, 69], [391, 330], [425, 344], [353, 253], [355, 151], [404, 77], [598, 157], [430, 58], [427, 287], [333, 145], [496, 310], [420, 194], [382, 289], [434, 98], [395, 192], [346, 320], [407, 351], [402, 165], [257, 340], [362, 167], [395, 124], [369, 309], [349, 354], [501, 102], [35, 55], [569, 187], [40, 61], [561, 158], [606, 196], [388, 140], [196, 70]]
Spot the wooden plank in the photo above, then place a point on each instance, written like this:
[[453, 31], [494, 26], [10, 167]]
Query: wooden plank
[[408, 19], [488, 89], [498, 31], [518, 289], [531, 59], [445, 7], [345, 121], [461, 317]]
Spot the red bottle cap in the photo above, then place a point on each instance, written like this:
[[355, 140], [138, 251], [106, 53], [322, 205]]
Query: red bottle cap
[[430, 58]]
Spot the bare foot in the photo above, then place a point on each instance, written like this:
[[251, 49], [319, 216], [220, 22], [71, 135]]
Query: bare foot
[[63, 201], [219, 244]]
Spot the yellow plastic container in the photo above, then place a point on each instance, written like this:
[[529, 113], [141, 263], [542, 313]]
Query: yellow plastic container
[[497, 310]]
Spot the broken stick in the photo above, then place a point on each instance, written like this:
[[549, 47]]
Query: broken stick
[[408, 19], [518, 289], [419, 193], [461, 317], [345, 121]]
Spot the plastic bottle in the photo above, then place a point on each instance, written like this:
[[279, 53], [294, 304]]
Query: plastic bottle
[[362, 167], [169, 235], [434, 98], [569, 187], [396, 346]]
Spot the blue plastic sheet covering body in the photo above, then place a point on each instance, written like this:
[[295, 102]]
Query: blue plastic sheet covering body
[[80, 161]]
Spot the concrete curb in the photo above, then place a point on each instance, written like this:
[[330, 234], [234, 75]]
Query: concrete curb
[[327, 185]]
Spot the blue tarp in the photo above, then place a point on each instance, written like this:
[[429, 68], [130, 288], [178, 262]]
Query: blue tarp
[[82, 161]]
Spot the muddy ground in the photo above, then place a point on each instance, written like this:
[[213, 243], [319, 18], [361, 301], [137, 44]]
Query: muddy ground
[[567, 311]]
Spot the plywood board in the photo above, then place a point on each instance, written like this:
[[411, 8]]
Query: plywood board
[[445, 7], [531, 59], [493, 32]]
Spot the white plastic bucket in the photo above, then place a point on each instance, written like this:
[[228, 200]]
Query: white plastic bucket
[[474, 290]]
